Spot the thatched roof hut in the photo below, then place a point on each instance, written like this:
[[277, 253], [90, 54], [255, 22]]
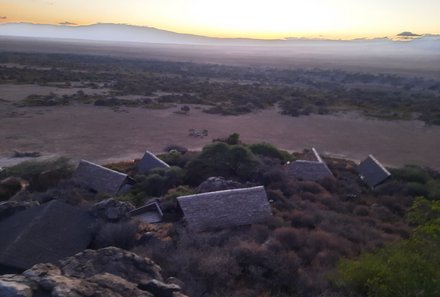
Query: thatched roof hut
[[149, 213], [225, 208], [372, 171], [149, 161], [45, 233], [101, 179], [311, 168]]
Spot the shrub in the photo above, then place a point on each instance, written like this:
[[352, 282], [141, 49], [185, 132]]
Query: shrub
[[301, 219], [278, 200], [410, 173], [41, 175], [157, 182], [243, 163], [330, 184], [416, 189], [211, 161], [177, 159], [361, 211], [221, 159], [232, 139], [403, 269], [311, 187], [290, 238], [274, 175], [125, 167], [169, 205], [122, 235], [268, 150], [406, 268], [175, 147]]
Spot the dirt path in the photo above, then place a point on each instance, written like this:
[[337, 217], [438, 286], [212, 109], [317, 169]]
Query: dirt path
[[102, 135]]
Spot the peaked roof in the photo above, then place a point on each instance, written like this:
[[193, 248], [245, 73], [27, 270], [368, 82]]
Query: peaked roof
[[45, 233], [225, 208], [150, 213], [312, 168], [99, 178], [372, 171], [150, 161]]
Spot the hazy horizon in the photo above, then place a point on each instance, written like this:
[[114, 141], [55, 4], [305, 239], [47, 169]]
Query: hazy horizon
[[278, 19], [399, 36]]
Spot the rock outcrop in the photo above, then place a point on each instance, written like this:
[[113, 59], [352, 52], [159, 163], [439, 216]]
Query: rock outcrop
[[108, 272], [111, 209], [215, 183]]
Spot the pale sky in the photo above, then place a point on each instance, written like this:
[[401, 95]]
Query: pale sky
[[240, 18]]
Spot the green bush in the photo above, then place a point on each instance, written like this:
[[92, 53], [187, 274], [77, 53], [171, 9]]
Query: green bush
[[268, 150], [155, 184], [232, 139], [416, 189], [411, 173], [406, 268], [221, 159]]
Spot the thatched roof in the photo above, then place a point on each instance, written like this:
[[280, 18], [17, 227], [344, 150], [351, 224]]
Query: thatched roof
[[150, 161], [149, 213], [225, 208], [372, 171], [45, 233], [313, 168], [100, 179]]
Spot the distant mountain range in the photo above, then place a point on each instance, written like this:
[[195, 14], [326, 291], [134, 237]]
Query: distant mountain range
[[128, 33]]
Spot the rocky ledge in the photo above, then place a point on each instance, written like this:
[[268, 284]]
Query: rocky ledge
[[108, 272]]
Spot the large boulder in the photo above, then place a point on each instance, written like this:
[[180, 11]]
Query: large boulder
[[15, 286], [217, 183], [112, 260], [111, 209], [108, 272], [159, 288]]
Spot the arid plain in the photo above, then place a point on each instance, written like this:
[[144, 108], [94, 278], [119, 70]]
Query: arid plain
[[104, 134]]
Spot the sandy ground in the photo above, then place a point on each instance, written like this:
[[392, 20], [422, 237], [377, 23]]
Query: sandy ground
[[103, 135]]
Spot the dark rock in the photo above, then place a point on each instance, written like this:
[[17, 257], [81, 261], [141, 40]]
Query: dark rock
[[213, 184], [176, 281], [111, 260], [111, 209], [159, 289], [15, 286], [108, 272]]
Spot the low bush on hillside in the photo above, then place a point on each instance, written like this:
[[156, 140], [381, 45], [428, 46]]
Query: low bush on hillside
[[405, 268], [41, 175], [122, 235], [268, 150], [295, 253], [315, 224], [221, 159]]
